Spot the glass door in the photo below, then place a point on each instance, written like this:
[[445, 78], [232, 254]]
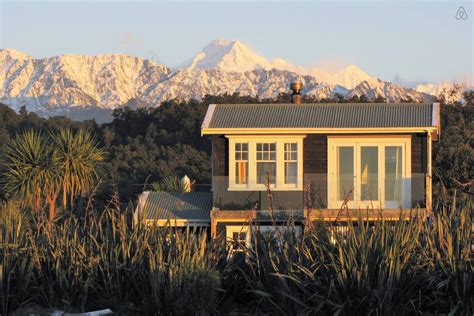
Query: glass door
[[345, 175], [369, 173], [368, 176], [393, 186]]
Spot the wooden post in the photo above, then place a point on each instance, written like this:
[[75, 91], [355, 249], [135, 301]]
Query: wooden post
[[214, 223], [429, 176]]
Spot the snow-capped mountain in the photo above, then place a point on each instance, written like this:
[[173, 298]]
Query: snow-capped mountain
[[237, 57], [75, 80], [228, 56], [450, 91], [74, 83]]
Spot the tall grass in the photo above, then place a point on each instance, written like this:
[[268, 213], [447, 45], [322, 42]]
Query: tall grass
[[381, 268], [102, 261]]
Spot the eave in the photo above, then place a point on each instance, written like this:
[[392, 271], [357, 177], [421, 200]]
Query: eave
[[290, 131]]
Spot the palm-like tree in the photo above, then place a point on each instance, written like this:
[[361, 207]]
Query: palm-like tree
[[78, 157], [39, 167], [31, 171]]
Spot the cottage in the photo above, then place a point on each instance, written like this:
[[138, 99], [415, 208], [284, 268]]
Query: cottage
[[302, 162], [274, 163]]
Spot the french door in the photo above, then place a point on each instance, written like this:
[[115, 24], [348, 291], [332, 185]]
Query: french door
[[369, 172]]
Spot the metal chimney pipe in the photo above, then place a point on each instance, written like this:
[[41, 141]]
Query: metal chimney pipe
[[296, 96]]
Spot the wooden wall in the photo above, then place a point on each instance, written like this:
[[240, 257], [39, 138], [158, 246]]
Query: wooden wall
[[419, 163], [419, 153], [220, 159], [315, 164], [315, 153]]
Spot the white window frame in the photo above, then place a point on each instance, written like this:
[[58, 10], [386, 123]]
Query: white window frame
[[381, 142], [229, 232], [252, 141], [243, 185]]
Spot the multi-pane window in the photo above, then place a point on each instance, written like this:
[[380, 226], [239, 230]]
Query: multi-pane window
[[255, 161], [291, 163], [241, 163], [266, 162], [239, 240]]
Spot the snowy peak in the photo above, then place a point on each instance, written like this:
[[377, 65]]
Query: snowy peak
[[13, 54], [351, 76], [228, 56]]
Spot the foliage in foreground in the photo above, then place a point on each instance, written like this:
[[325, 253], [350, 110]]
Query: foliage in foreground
[[104, 262]]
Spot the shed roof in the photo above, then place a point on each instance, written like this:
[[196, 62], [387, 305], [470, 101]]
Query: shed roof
[[321, 115], [188, 206]]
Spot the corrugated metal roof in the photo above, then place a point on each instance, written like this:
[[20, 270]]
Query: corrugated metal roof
[[322, 115], [191, 206]]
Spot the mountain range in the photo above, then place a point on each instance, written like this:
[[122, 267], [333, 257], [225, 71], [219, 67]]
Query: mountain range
[[75, 84]]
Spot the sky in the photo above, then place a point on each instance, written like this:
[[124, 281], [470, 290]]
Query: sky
[[401, 41]]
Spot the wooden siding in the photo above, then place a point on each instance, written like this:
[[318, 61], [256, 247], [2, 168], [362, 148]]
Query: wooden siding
[[419, 153], [315, 153], [220, 159], [419, 157], [315, 167]]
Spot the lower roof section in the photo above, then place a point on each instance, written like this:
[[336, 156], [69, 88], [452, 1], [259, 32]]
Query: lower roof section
[[175, 207]]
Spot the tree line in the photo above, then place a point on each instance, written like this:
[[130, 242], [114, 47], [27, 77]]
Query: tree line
[[147, 145]]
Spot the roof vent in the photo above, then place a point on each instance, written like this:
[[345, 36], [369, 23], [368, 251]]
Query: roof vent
[[296, 96]]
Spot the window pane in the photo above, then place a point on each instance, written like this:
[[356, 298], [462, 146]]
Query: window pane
[[237, 147], [238, 240], [266, 170], [293, 146], [245, 147], [241, 172], [293, 156], [369, 173], [259, 147], [290, 173], [345, 173], [393, 173]]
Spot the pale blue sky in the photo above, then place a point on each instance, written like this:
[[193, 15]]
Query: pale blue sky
[[412, 41]]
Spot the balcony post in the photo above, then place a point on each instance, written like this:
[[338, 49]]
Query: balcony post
[[429, 176]]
